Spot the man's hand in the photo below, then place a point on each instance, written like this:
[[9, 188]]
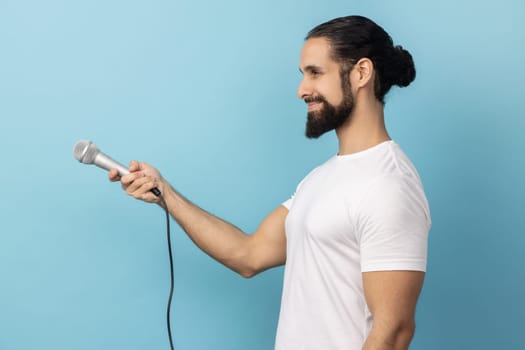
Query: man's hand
[[142, 178]]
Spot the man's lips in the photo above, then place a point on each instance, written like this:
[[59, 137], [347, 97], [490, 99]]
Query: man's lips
[[314, 105]]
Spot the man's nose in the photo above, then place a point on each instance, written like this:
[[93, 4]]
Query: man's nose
[[304, 89]]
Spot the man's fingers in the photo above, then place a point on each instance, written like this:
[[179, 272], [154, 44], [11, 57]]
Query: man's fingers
[[140, 185], [131, 177], [147, 195], [113, 175], [142, 178], [141, 188], [134, 166]]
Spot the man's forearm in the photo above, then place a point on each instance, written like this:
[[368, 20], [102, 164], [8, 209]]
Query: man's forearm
[[221, 240]]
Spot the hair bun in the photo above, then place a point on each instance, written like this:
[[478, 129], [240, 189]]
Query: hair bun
[[405, 68]]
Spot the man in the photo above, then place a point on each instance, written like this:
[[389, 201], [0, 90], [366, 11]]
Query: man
[[354, 235]]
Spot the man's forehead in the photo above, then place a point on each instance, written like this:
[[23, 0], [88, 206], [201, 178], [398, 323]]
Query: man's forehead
[[315, 52]]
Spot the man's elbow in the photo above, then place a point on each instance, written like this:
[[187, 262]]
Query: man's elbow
[[404, 334], [251, 267], [247, 273], [250, 271], [241, 263], [395, 334], [247, 269]]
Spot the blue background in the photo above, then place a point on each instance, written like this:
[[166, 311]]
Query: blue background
[[205, 91]]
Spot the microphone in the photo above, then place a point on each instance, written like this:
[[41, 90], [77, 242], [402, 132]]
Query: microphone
[[87, 152]]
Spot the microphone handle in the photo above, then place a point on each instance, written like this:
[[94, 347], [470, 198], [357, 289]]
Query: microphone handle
[[107, 163]]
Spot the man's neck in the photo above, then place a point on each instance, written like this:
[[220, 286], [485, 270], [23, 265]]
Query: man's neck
[[364, 128]]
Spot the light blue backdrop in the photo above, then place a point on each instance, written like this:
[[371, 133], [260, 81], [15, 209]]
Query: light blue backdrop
[[205, 90]]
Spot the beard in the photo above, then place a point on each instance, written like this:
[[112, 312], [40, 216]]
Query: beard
[[329, 117]]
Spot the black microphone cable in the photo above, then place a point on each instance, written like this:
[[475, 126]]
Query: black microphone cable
[[87, 152], [168, 234]]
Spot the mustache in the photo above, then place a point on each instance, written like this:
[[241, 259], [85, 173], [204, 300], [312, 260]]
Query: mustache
[[314, 99]]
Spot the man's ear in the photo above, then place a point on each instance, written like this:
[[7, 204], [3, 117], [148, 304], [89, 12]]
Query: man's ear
[[362, 73]]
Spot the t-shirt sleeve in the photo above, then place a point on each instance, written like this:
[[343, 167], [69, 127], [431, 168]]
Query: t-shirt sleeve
[[288, 203], [393, 222]]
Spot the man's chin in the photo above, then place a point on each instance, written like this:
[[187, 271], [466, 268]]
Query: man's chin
[[314, 132], [312, 136], [314, 128]]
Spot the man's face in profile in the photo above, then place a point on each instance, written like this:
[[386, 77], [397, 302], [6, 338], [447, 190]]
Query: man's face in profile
[[327, 93]]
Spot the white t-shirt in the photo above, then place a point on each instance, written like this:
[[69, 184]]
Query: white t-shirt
[[355, 213]]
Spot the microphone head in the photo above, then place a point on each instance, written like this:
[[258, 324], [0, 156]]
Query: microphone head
[[85, 151]]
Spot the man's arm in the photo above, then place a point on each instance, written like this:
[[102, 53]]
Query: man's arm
[[391, 297], [244, 253]]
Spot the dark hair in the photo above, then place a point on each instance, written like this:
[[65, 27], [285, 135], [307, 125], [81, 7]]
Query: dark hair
[[354, 37]]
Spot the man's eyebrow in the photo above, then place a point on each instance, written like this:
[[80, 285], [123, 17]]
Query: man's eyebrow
[[310, 69]]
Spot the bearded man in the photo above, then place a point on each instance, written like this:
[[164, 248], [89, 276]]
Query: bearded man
[[353, 237]]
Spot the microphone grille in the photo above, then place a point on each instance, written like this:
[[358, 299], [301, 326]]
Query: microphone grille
[[85, 151]]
